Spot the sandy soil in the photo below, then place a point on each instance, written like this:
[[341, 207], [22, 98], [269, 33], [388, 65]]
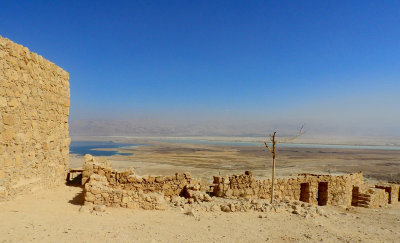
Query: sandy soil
[[54, 216]]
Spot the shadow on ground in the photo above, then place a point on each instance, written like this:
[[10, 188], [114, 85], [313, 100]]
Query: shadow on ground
[[79, 198]]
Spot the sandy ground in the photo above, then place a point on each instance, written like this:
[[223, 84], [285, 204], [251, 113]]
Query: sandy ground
[[54, 216]]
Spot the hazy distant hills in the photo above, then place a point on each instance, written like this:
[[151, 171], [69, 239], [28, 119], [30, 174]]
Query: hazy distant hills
[[315, 133], [158, 128]]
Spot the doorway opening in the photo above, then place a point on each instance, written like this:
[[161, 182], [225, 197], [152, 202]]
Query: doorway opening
[[305, 192], [322, 193]]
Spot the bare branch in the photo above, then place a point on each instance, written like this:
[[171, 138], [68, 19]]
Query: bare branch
[[266, 145], [301, 132]]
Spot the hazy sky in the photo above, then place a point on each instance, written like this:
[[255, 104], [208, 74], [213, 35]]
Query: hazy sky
[[329, 64]]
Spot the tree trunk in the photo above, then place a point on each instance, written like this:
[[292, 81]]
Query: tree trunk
[[273, 179]]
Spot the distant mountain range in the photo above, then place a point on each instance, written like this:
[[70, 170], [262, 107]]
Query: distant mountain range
[[153, 127], [159, 128]]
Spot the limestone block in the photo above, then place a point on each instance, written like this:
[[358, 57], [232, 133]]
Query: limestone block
[[149, 179], [188, 175], [8, 135], [3, 102], [9, 119], [180, 176]]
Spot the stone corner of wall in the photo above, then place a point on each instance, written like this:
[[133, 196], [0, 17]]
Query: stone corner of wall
[[34, 110]]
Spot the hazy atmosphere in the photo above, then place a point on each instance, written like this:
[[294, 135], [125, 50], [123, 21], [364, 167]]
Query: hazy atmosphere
[[229, 67]]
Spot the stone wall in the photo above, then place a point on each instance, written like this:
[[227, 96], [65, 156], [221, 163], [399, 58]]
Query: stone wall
[[368, 197], [109, 187], [34, 109], [105, 186], [393, 191], [98, 193], [315, 189]]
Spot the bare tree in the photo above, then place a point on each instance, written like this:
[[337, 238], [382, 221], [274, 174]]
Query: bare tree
[[272, 150]]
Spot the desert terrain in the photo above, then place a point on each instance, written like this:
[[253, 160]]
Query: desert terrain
[[159, 157], [58, 215]]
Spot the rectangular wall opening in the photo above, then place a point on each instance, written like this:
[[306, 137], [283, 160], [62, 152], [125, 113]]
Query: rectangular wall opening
[[387, 189], [322, 193], [354, 196], [305, 192]]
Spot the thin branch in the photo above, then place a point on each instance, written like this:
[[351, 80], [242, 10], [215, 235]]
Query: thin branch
[[266, 145], [301, 132]]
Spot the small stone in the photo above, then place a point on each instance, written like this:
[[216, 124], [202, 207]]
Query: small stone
[[225, 208], [99, 208], [215, 208], [88, 157], [187, 175], [320, 211]]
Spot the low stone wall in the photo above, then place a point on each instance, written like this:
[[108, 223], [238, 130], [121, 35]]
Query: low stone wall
[[109, 187], [34, 109], [99, 193], [315, 189], [369, 197], [378, 199], [393, 191]]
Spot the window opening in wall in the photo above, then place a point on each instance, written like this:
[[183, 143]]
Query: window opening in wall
[[305, 192], [322, 193]]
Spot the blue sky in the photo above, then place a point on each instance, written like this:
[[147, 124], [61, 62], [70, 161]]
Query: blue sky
[[316, 62]]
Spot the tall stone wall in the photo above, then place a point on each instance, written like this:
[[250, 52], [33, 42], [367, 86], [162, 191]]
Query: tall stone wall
[[34, 109]]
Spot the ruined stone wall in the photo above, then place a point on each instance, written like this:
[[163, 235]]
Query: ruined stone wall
[[34, 109], [393, 191], [109, 187], [369, 197], [99, 193], [106, 187], [339, 188]]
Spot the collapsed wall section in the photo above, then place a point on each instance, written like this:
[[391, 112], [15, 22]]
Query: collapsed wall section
[[34, 109]]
